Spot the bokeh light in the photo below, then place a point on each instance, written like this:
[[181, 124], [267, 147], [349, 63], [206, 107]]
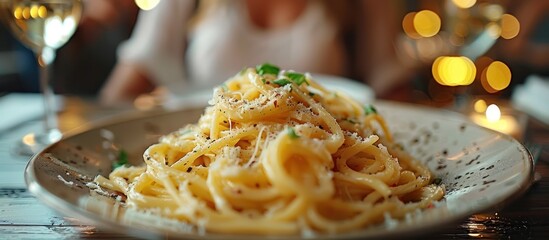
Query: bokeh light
[[480, 106], [493, 12], [484, 82], [34, 11], [42, 12], [18, 13], [408, 26], [454, 71], [493, 29], [146, 4], [493, 113], [426, 23], [434, 69], [498, 75], [510, 26], [464, 3]]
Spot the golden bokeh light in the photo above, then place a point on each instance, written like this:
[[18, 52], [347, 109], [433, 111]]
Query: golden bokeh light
[[484, 82], [426, 23], [34, 11], [146, 4], [498, 75], [29, 139], [454, 71], [434, 69], [480, 106], [18, 13], [408, 26], [26, 12], [42, 12], [510, 26], [464, 3]]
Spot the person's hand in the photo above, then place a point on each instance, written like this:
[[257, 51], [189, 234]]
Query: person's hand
[[124, 85]]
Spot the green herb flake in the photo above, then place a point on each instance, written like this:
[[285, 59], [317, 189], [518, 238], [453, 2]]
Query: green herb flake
[[292, 134], [311, 94], [298, 78], [282, 81], [121, 160], [437, 181], [267, 68], [350, 120], [370, 109]]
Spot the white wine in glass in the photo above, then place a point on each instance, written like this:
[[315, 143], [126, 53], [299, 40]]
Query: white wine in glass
[[43, 26]]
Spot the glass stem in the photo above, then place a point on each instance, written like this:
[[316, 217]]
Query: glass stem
[[50, 116]]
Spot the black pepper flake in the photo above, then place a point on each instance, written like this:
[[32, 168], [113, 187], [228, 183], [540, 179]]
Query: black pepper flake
[[440, 167], [189, 169], [488, 182], [472, 160]]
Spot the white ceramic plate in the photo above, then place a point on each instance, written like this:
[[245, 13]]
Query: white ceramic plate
[[480, 168]]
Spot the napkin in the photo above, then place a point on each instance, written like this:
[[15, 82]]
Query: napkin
[[532, 97], [18, 108]]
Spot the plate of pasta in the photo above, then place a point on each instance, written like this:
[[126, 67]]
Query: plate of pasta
[[275, 154]]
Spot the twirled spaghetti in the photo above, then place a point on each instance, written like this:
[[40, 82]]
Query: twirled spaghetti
[[277, 153]]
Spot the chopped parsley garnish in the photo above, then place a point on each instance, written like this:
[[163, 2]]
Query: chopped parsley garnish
[[437, 181], [369, 109], [121, 160], [311, 94], [298, 78], [267, 68], [292, 134], [282, 81], [290, 77]]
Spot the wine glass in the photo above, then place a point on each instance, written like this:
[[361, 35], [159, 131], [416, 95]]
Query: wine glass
[[43, 26]]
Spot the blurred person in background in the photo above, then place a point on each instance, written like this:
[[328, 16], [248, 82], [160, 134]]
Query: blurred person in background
[[88, 58], [183, 47]]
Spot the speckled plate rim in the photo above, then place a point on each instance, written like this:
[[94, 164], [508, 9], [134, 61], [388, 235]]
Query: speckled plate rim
[[68, 209]]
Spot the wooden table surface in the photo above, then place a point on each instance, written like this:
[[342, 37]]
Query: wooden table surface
[[24, 217]]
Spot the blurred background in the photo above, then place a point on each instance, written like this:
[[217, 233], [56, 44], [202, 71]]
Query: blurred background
[[83, 64], [442, 50]]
